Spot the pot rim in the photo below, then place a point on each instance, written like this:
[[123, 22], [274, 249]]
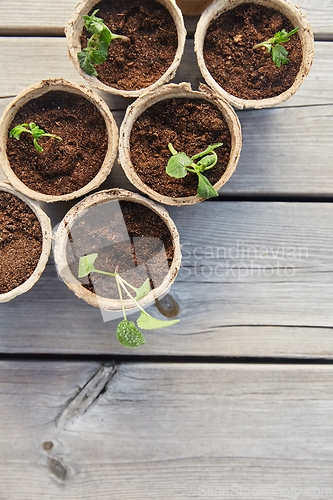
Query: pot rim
[[60, 238], [35, 91], [295, 16], [46, 228], [73, 31], [169, 91]]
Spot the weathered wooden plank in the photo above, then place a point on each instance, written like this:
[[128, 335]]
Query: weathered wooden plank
[[47, 16], [256, 280], [37, 58], [285, 151], [171, 431]]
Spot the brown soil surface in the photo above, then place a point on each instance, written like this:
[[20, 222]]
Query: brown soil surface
[[64, 166], [190, 125], [147, 253], [152, 48], [20, 242], [238, 68]]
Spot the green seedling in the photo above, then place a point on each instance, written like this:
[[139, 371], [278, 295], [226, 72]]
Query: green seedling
[[97, 48], [274, 47], [127, 333], [180, 164], [34, 130]]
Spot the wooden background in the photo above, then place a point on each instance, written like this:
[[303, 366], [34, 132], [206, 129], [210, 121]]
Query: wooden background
[[235, 401]]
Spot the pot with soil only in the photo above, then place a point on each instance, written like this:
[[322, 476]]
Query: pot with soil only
[[145, 57], [188, 121], [232, 60], [115, 246], [25, 242], [75, 159]]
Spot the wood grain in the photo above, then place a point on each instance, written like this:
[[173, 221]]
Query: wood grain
[[171, 431], [47, 16], [37, 58], [256, 280]]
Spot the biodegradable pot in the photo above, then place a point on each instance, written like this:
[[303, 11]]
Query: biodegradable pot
[[297, 19], [74, 30], [61, 236], [183, 90], [193, 7], [46, 245], [35, 91]]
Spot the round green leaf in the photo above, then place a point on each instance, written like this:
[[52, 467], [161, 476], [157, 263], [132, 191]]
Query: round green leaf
[[129, 335]]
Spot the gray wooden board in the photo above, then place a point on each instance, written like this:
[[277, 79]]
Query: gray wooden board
[[48, 16], [256, 280], [169, 431], [36, 58]]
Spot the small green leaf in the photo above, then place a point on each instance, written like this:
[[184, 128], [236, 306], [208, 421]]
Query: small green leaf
[[93, 24], [36, 131], [37, 146], [85, 63], [274, 47], [207, 162], [176, 165], [129, 335], [208, 150], [17, 131], [205, 189], [86, 264], [143, 290], [104, 41], [96, 57], [279, 55], [147, 322]]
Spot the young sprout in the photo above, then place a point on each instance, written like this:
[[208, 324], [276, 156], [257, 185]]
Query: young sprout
[[179, 164], [34, 130], [127, 333], [98, 45], [274, 47]]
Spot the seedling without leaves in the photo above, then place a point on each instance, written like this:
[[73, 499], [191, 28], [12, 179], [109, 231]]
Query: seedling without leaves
[[274, 47], [97, 48], [180, 164], [36, 132], [127, 333]]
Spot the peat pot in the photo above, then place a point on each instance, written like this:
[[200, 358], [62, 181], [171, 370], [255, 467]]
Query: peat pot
[[25, 235], [149, 58], [189, 120], [125, 232], [74, 162], [245, 75]]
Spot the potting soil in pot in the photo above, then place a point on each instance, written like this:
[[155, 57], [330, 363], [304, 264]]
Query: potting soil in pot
[[126, 236], [239, 69], [152, 47], [67, 165], [20, 242], [190, 125]]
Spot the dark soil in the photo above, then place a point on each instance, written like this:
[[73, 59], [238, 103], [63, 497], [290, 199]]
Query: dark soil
[[152, 48], [101, 230], [190, 125], [20, 242], [236, 67], [64, 166]]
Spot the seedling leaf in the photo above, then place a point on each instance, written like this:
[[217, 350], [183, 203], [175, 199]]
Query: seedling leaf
[[147, 322], [129, 335], [205, 189], [85, 63], [34, 130], [176, 165], [143, 290], [97, 48], [86, 264], [274, 47]]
